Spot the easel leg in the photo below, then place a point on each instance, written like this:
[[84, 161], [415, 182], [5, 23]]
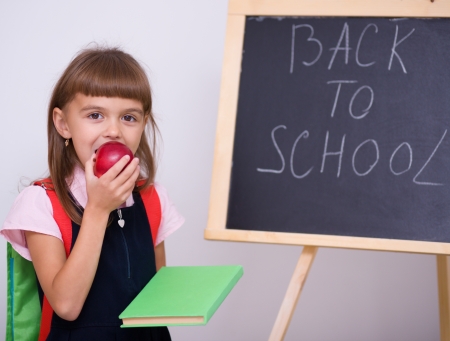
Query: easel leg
[[293, 293], [444, 296]]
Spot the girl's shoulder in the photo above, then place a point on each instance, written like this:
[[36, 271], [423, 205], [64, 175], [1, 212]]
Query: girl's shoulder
[[161, 191], [31, 200], [31, 211]]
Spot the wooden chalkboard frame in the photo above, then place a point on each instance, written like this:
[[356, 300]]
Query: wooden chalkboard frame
[[238, 10]]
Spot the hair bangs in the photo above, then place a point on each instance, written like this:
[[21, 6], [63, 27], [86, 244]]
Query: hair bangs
[[111, 73]]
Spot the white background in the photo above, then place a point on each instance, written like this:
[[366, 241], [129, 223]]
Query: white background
[[349, 295]]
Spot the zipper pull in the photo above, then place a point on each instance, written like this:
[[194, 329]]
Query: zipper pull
[[121, 221]]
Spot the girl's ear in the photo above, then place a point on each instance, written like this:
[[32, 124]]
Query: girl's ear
[[59, 120]]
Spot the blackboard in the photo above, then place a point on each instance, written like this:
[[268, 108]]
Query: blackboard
[[303, 80], [342, 128]]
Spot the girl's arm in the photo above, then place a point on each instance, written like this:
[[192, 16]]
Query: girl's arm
[[160, 256], [66, 282]]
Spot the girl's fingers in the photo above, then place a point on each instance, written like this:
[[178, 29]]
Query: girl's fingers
[[115, 170], [131, 180], [126, 180], [127, 172], [126, 183]]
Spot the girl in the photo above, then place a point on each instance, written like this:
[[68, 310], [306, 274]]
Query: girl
[[103, 95]]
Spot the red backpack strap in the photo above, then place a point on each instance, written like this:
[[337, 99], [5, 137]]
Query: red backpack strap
[[63, 221], [152, 205], [65, 226], [46, 320]]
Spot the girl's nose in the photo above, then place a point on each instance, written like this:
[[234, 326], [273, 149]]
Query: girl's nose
[[113, 130]]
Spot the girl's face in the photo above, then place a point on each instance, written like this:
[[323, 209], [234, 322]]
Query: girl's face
[[92, 121]]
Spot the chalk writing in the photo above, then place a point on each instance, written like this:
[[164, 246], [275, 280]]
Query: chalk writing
[[359, 46], [338, 91], [339, 152], [310, 38], [407, 145], [426, 164], [394, 52], [365, 111], [304, 135], [279, 153], [375, 144], [366, 94], [343, 45]]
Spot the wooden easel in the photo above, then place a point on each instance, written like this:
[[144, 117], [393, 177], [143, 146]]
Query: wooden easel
[[444, 296], [293, 293], [226, 122], [301, 273]]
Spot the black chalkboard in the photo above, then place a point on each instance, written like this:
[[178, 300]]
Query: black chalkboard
[[342, 128]]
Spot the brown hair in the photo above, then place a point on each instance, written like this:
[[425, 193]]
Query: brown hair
[[106, 72]]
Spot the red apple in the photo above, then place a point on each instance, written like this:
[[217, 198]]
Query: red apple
[[108, 154]]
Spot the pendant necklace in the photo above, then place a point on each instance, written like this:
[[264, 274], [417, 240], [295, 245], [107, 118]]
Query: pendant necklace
[[121, 221]]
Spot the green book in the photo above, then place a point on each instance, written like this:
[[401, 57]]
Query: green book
[[181, 295]]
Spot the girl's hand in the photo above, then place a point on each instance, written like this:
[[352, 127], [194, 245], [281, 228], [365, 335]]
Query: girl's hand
[[114, 187]]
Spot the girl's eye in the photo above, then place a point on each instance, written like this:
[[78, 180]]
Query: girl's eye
[[129, 118], [95, 115]]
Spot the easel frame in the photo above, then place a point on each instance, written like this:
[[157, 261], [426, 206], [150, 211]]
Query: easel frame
[[238, 10]]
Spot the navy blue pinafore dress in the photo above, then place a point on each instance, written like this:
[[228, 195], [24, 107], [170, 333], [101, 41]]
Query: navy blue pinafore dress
[[127, 263]]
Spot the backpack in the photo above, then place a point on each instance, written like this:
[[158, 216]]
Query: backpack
[[25, 316]]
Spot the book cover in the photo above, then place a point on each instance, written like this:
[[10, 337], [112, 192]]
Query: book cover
[[181, 295]]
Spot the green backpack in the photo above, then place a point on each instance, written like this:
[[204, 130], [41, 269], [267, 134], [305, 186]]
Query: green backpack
[[24, 310], [24, 314]]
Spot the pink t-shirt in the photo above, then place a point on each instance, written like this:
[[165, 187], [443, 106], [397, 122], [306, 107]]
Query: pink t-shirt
[[32, 211]]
